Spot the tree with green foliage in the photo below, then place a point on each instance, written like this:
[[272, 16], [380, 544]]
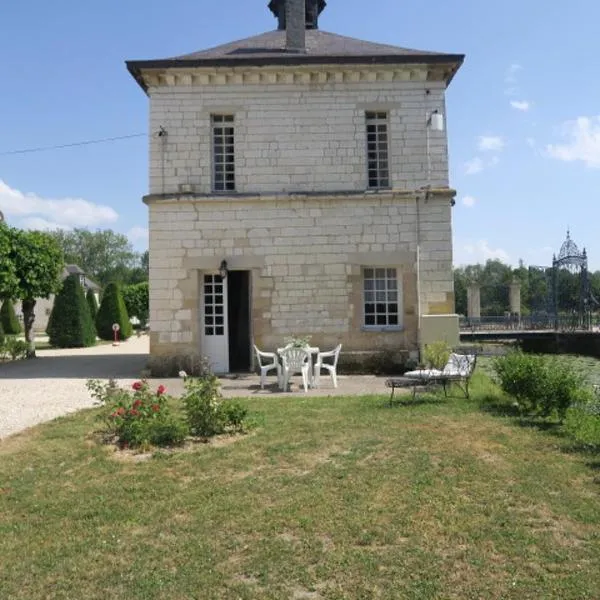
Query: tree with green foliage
[[137, 301], [90, 298], [36, 264], [112, 310], [104, 255], [8, 318], [70, 324], [8, 277]]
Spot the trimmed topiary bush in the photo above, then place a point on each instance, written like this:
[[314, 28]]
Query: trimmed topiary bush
[[70, 324], [90, 298], [137, 301], [112, 310], [8, 317]]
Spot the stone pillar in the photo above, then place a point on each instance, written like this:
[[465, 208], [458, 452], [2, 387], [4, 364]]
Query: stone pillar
[[515, 298], [474, 301]]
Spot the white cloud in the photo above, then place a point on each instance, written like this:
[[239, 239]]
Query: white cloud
[[138, 236], [469, 201], [582, 142], [530, 142], [479, 252], [522, 105], [490, 143], [33, 210], [474, 166]]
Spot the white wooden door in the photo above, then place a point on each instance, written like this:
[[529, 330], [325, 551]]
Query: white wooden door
[[214, 322]]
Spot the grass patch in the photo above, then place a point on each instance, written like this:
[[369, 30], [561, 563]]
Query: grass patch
[[328, 498]]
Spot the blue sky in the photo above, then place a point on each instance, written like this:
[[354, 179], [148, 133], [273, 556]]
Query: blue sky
[[523, 112]]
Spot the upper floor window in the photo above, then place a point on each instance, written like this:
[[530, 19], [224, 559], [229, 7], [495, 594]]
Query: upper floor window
[[382, 303], [223, 142], [378, 166]]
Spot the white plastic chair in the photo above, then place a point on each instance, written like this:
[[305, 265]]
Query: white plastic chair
[[267, 366], [295, 360], [331, 367]]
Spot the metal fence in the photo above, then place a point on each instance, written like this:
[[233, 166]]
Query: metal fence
[[540, 322]]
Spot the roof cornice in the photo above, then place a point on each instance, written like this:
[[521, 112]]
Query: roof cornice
[[295, 69]]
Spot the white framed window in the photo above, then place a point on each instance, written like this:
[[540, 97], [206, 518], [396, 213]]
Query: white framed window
[[378, 162], [223, 152], [382, 299]]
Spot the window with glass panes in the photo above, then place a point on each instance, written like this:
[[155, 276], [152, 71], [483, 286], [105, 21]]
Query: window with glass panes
[[223, 153], [378, 166], [382, 303]]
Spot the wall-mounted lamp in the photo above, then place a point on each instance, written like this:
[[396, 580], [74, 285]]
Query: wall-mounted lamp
[[435, 121], [223, 269], [161, 132]]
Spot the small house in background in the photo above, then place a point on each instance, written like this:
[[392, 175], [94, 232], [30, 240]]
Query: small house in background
[[43, 306], [298, 186]]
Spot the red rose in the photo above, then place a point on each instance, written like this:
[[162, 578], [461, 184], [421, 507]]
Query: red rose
[[156, 407], [120, 411], [134, 413], [161, 390], [137, 403], [137, 386]]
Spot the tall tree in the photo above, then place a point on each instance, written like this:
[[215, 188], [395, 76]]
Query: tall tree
[[38, 264], [8, 277], [104, 255]]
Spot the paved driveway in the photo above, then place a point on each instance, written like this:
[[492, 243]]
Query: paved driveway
[[34, 391]]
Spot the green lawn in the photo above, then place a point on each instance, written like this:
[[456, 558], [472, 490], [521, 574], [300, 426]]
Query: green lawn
[[326, 499]]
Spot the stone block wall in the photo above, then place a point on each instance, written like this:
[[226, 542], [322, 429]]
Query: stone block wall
[[305, 254], [305, 136]]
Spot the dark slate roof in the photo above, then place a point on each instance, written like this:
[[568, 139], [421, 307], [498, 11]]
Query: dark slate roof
[[74, 270], [321, 48]]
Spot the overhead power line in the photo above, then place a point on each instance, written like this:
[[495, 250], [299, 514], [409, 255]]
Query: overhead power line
[[73, 144]]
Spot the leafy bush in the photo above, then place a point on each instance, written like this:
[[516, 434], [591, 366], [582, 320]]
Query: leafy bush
[[10, 321], [70, 324], [582, 420], [1, 333], [12, 348], [90, 298], [206, 412], [112, 310], [541, 385], [436, 355], [137, 301], [140, 417]]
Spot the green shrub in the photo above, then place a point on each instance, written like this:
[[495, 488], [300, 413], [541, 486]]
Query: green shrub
[[541, 385], [436, 355], [206, 412], [12, 348], [92, 303], [582, 420], [138, 418], [1, 333], [136, 299], [112, 310], [10, 321], [70, 324]]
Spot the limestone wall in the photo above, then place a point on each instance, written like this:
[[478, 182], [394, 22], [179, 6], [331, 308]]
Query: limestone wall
[[306, 255], [303, 136]]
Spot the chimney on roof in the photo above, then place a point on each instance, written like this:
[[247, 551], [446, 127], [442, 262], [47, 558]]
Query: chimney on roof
[[313, 8], [295, 25]]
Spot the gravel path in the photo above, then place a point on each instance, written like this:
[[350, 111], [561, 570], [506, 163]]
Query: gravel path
[[34, 391]]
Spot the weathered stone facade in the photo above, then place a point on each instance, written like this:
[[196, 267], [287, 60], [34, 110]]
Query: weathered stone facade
[[302, 220]]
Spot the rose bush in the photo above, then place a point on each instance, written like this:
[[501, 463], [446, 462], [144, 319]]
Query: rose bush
[[140, 417]]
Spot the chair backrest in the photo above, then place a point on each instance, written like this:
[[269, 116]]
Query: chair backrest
[[461, 364], [259, 355], [294, 358], [337, 350]]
